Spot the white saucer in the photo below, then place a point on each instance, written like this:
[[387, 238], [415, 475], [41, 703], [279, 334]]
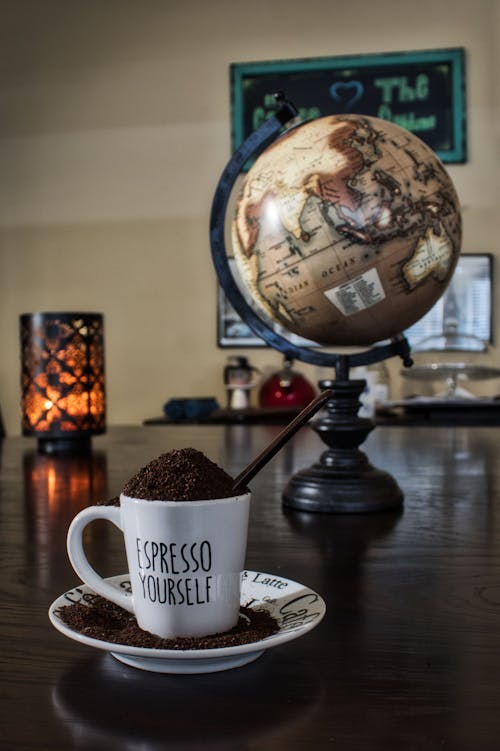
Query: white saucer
[[296, 608]]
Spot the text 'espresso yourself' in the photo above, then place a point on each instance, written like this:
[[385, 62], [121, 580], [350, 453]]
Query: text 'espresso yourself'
[[176, 573]]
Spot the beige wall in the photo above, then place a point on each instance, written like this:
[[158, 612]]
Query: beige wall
[[114, 128]]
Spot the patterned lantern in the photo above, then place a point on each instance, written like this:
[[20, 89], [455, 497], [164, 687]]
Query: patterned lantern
[[62, 380]]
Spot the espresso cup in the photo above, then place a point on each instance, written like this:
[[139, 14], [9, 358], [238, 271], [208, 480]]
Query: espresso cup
[[184, 560]]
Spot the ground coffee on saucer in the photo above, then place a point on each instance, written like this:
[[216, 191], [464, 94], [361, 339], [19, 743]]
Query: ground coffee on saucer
[[103, 620]]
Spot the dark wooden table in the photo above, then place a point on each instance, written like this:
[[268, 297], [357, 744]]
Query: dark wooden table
[[407, 657]]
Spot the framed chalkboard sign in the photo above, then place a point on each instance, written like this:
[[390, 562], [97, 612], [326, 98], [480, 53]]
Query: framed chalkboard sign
[[422, 91]]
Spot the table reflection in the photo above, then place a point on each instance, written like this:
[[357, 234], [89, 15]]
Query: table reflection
[[457, 483], [343, 542], [226, 710], [56, 488]]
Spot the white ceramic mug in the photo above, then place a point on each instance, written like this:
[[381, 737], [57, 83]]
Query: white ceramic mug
[[184, 560]]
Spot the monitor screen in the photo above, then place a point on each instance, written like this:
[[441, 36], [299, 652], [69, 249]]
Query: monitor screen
[[462, 318]]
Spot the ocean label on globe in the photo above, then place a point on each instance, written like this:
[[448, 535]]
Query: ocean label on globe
[[363, 292], [347, 230]]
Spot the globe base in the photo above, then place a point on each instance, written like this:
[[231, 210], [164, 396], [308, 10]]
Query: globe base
[[343, 480], [363, 489]]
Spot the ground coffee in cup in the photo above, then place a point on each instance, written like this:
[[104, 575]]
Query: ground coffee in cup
[[180, 475]]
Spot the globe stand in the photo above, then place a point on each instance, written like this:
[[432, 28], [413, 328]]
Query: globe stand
[[343, 480]]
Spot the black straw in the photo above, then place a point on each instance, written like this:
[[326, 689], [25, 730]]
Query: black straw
[[249, 473]]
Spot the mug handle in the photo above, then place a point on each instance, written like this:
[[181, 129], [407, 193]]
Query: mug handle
[[79, 560]]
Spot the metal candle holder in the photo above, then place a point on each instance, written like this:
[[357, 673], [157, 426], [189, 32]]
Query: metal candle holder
[[62, 380]]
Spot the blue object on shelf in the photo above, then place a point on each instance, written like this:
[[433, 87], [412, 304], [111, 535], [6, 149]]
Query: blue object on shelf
[[179, 410]]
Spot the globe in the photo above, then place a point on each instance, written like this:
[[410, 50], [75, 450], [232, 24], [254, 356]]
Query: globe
[[346, 231]]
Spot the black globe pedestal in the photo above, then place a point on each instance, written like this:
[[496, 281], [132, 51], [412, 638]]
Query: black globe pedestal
[[343, 480]]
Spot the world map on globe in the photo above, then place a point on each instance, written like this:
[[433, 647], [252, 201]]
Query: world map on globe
[[347, 230]]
